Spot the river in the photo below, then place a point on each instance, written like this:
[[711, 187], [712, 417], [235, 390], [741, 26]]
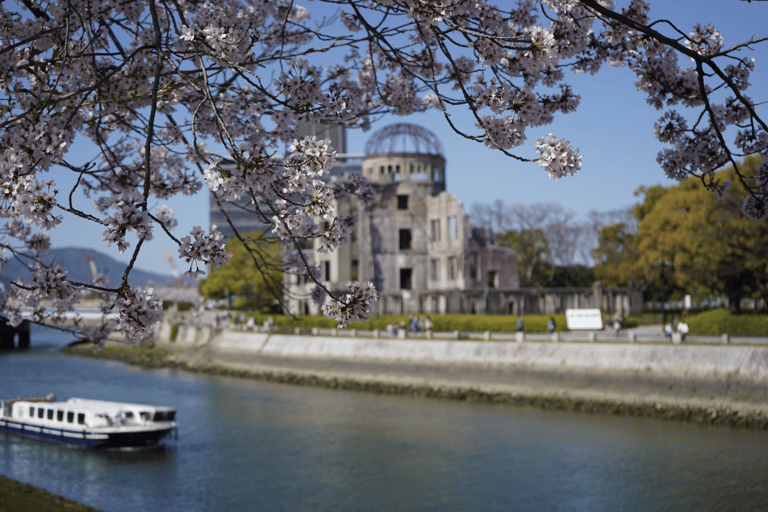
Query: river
[[249, 445]]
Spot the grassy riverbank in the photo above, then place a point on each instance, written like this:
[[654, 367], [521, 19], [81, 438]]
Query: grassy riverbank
[[410, 382], [20, 497]]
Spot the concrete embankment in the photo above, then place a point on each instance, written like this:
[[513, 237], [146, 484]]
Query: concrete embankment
[[708, 383]]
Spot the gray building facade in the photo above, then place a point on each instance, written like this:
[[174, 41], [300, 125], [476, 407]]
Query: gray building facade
[[415, 244]]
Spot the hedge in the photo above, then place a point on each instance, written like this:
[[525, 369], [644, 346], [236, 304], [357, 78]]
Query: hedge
[[442, 323], [723, 321]]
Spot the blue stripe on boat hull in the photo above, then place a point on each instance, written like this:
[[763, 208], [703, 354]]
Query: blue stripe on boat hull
[[84, 438]]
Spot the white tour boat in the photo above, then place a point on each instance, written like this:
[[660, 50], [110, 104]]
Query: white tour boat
[[93, 423]]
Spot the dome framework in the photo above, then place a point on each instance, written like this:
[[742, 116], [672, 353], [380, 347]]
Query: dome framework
[[403, 138]]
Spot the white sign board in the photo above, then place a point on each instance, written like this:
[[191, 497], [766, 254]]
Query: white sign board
[[584, 319]]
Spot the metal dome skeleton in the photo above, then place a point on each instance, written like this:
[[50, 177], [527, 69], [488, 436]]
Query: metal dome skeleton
[[404, 138]]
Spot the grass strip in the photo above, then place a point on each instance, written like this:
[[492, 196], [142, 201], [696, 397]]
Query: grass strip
[[17, 496]]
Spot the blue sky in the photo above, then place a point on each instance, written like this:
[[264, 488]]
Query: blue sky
[[613, 128]]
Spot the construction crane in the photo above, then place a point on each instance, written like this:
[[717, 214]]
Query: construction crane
[[175, 270], [97, 277]]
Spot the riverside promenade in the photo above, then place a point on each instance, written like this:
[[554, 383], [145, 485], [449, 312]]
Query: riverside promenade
[[714, 380]]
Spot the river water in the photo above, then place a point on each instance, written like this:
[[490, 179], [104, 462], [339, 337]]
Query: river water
[[247, 445]]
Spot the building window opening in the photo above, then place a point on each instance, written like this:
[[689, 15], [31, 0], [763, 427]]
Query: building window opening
[[327, 270], [406, 278], [434, 269], [355, 270], [438, 174], [472, 264], [453, 227], [435, 230], [405, 239], [402, 202], [453, 264], [493, 279]]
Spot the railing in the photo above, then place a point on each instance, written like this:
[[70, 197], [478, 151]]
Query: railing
[[627, 336]]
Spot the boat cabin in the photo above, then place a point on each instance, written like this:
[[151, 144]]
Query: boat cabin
[[78, 412]]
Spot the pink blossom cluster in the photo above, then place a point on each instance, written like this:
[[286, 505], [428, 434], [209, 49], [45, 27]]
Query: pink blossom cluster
[[177, 95], [138, 312], [202, 247], [354, 306]]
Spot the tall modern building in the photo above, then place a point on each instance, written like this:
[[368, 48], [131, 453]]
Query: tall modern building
[[415, 243], [240, 213]]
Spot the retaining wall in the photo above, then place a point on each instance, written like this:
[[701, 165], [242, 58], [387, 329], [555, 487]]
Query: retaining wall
[[707, 362]]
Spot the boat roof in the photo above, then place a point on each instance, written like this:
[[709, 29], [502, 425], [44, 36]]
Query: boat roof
[[85, 404]]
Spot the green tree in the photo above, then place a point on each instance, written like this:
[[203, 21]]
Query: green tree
[[532, 251], [253, 275], [615, 256], [704, 246], [570, 276]]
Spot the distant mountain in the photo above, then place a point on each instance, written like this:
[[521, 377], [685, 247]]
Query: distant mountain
[[75, 261]]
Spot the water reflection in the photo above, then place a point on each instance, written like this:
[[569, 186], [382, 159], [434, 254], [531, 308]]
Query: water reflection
[[247, 445]]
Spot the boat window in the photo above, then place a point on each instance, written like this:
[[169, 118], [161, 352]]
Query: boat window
[[31, 412], [144, 415], [165, 415], [60, 415], [40, 412], [50, 414], [70, 417], [81, 418]]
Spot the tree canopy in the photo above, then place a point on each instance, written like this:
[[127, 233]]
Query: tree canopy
[[181, 94], [696, 243], [253, 274]]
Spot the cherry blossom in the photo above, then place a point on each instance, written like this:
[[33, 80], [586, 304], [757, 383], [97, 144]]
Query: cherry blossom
[[354, 306], [557, 157], [203, 248], [176, 96], [138, 312]]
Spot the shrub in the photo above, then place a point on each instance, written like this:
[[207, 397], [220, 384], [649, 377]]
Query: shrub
[[723, 321], [443, 323]]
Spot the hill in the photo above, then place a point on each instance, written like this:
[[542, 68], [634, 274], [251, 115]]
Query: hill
[[75, 261]]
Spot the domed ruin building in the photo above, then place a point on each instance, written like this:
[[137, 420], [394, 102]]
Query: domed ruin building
[[415, 243]]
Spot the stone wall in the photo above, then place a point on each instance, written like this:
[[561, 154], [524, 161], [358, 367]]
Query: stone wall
[[723, 364]]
